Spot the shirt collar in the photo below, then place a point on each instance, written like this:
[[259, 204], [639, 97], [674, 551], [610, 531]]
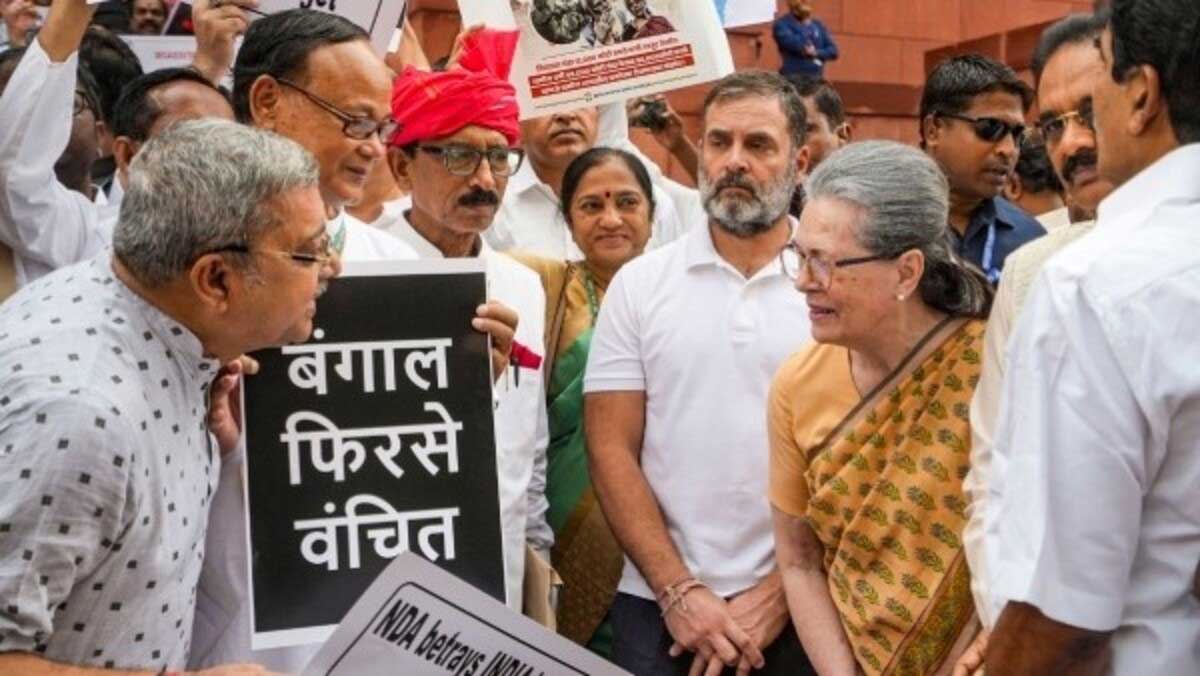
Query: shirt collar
[[1176, 176], [700, 251], [424, 248], [525, 179], [183, 346]]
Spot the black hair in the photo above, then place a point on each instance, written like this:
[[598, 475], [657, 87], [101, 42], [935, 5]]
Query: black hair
[[766, 84], [85, 84], [1035, 170], [9, 60], [1165, 35], [279, 46], [1073, 30], [955, 82], [824, 96], [113, 64], [595, 157], [137, 111]]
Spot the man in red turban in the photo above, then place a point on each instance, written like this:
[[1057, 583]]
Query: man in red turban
[[454, 153]]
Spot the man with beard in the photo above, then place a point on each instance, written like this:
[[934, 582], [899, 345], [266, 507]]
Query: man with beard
[[1065, 67], [972, 124], [677, 380], [530, 218]]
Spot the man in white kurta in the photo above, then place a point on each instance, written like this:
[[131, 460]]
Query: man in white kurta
[[1097, 521]]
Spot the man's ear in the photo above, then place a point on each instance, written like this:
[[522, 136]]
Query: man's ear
[[124, 149], [803, 164], [845, 134], [104, 138], [1144, 86], [931, 131], [1013, 188], [402, 168], [264, 100], [213, 280]]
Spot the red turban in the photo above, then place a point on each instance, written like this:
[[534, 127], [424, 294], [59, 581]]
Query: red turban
[[435, 105]]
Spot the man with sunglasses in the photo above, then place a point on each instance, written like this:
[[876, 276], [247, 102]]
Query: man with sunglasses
[[1093, 536], [1066, 66], [454, 155], [972, 123]]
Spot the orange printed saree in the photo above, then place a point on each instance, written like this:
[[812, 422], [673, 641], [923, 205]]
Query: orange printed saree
[[882, 489]]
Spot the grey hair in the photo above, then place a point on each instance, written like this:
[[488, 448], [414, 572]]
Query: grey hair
[[906, 201], [199, 186]]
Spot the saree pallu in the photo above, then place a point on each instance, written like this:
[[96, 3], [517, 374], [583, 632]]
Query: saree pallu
[[585, 554], [887, 502]]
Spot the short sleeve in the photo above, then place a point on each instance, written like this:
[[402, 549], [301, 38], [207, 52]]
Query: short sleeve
[[64, 479], [615, 358], [788, 486], [1063, 534]]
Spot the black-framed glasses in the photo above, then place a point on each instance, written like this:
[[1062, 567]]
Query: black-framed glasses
[[1053, 129], [991, 129], [463, 160], [357, 127], [794, 261], [322, 256]]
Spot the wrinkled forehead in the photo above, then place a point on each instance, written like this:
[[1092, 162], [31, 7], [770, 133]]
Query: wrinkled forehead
[[1068, 78]]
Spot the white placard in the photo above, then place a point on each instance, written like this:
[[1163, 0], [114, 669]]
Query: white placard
[[569, 57], [377, 17], [736, 13], [417, 619]]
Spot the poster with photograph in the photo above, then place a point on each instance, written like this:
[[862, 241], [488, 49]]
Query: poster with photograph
[[375, 437], [576, 53]]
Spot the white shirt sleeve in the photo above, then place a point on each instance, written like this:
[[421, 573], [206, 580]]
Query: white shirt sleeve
[[538, 533], [615, 359], [1075, 445], [40, 219]]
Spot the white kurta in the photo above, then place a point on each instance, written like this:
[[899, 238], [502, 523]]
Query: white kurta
[[45, 224], [522, 431], [1096, 517]]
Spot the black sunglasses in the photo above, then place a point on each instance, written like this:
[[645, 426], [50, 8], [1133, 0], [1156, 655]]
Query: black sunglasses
[[991, 129]]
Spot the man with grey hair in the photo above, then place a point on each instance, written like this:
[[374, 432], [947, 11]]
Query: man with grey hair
[[114, 406], [677, 381]]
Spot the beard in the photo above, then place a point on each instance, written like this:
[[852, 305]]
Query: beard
[[748, 216]]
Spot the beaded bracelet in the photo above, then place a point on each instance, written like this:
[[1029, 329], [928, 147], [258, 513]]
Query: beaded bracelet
[[673, 594]]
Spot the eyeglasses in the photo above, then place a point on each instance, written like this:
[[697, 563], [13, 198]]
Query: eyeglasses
[[357, 127], [322, 257], [465, 160], [1053, 129], [991, 129], [820, 270]]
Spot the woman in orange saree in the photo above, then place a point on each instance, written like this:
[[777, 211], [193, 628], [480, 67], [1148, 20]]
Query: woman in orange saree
[[869, 429]]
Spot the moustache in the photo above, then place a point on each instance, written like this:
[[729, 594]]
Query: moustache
[[479, 198], [735, 181], [1084, 159]]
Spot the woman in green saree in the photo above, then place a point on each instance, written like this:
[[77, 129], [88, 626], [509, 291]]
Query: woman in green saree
[[869, 432], [607, 201]]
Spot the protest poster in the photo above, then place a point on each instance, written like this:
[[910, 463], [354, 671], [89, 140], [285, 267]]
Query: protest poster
[[378, 17], [416, 619], [373, 438], [576, 53], [735, 13]]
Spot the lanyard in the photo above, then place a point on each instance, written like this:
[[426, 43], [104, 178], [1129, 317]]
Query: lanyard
[[989, 252]]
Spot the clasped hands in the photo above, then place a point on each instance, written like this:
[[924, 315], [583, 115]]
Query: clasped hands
[[729, 633]]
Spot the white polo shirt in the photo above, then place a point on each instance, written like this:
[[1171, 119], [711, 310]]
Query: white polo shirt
[[703, 342]]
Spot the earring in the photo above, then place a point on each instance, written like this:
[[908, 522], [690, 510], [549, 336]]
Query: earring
[[900, 297]]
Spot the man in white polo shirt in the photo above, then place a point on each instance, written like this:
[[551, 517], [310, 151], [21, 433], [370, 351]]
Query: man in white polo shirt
[[687, 342]]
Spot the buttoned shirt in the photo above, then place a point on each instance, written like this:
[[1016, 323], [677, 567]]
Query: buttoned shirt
[[106, 473], [1019, 273], [531, 220], [522, 431], [1096, 518], [44, 223], [997, 228], [702, 342]]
